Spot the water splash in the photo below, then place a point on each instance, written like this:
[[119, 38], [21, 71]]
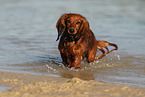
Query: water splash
[[118, 56], [87, 71], [51, 69]]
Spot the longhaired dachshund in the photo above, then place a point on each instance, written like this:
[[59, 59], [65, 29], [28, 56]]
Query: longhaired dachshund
[[78, 42]]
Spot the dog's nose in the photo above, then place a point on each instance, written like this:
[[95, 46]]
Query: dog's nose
[[71, 30]]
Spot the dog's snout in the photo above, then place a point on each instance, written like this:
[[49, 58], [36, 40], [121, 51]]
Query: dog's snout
[[71, 30]]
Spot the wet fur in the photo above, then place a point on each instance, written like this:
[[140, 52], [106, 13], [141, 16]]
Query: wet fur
[[77, 41]]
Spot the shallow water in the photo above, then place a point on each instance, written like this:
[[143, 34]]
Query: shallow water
[[4, 88], [28, 34]]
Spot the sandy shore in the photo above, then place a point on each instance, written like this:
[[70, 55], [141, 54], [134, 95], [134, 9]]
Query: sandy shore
[[25, 85]]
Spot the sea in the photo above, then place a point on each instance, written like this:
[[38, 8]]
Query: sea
[[28, 39]]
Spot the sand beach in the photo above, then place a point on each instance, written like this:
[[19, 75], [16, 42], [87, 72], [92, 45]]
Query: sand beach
[[26, 85]]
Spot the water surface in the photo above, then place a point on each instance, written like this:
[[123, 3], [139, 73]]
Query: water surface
[[28, 34]]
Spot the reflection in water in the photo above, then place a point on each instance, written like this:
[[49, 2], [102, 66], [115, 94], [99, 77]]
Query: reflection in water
[[120, 70], [2, 88]]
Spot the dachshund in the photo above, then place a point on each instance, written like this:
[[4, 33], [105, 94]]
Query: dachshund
[[77, 41]]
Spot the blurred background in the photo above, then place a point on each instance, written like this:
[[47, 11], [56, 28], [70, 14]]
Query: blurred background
[[28, 34]]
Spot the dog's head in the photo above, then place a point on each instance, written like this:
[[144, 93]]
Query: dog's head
[[73, 24]]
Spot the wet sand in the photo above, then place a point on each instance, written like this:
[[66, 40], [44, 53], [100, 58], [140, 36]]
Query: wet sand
[[25, 85]]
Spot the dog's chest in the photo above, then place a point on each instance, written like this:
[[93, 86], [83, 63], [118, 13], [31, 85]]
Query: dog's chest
[[69, 44]]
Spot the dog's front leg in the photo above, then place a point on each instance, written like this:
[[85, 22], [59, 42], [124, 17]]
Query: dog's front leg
[[75, 61], [64, 59]]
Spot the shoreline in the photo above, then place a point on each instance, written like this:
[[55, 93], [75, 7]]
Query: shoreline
[[26, 85]]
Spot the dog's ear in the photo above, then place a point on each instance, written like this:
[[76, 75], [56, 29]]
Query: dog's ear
[[84, 26], [61, 25]]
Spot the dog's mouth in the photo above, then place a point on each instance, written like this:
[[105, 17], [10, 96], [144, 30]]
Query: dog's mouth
[[72, 35]]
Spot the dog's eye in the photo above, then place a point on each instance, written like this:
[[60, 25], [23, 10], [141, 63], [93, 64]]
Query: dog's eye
[[77, 22], [68, 21]]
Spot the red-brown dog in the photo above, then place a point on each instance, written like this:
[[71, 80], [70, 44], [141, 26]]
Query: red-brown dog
[[78, 41]]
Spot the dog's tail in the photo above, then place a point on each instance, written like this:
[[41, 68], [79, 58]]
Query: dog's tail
[[111, 44], [103, 44]]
